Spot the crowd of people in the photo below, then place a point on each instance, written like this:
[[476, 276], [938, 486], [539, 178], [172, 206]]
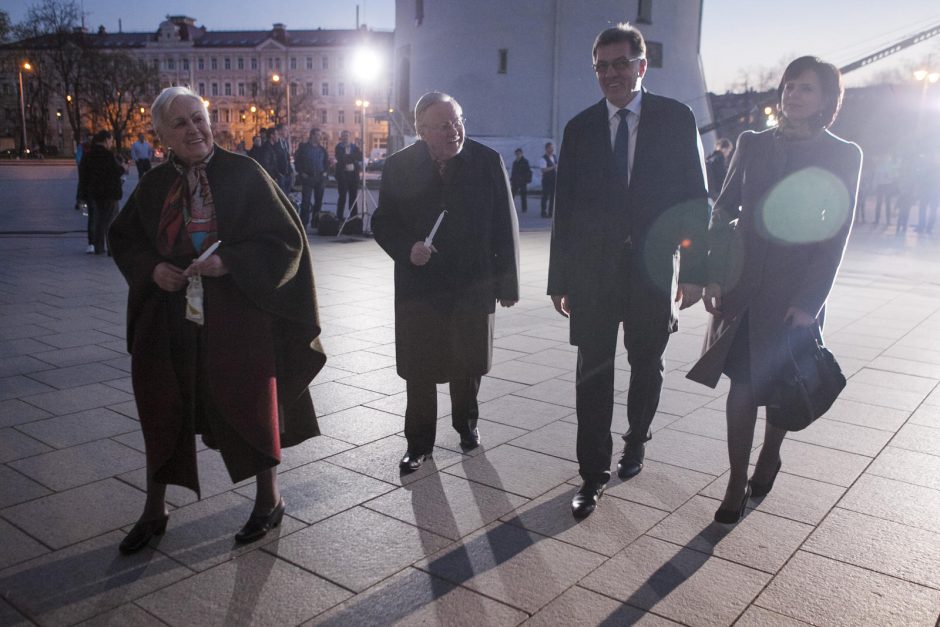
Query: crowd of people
[[893, 187], [222, 313]]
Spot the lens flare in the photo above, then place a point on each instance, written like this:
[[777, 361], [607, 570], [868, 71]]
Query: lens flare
[[810, 205]]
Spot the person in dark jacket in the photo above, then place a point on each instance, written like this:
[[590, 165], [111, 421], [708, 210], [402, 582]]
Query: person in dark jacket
[[450, 268], [716, 166], [348, 169], [312, 163], [778, 233], [100, 187], [520, 177]]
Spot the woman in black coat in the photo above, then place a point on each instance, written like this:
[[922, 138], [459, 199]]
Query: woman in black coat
[[778, 233]]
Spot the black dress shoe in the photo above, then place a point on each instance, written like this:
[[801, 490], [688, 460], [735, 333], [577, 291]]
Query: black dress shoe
[[259, 525], [631, 463], [732, 516], [585, 500], [763, 489], [412, 461], [470, 440], [141, 534]]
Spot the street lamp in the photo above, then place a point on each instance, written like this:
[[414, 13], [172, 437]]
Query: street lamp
[[276, 79], [926, 77], [23, 66]]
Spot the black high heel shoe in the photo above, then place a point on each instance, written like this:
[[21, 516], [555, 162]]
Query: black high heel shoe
[[259, 525], [142, 533], [732, 516], [762, 489]]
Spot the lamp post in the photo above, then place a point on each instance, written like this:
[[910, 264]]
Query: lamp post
[[23, 66], [363, 105], [926, 77], [276, 79], [366, 66]]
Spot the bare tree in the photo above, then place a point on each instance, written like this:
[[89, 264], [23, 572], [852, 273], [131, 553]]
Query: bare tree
[[37, 95], [117, 86]]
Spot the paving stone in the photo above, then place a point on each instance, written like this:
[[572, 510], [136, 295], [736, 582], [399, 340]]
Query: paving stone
[[492, 434], [17, 546], [905, 366], [414, 597], [710, 423], [866, 415], [15, 412], [340, 344], [202, 535], [613, 525], [880, 545], [677, 381], [310, 450], [380, 547], [127, 408], [820, 463], [74, 376], [64, 518], [512, 565], [884, 397], [557, 439], [77, 399], [515, 470], [523, 413], [759, 617], [396, 404], [71, 339], [522, 372], [660, 485], [22, 346], [213, 479], [688, 450], [255, 588], [674, 402], [449, 506], [359, 425], [819, 590], [332, 397], [525, 343], [555, 357], [16, 445], [17, 488], [904, 465], [85, 580], [920, 438], [20, 364], [19, 385], [385, 381], [492, 388], [128, 615], [747, 543], [79, 428], [77, 465], [79, 355], [380, 459], [9, 617], [578, 606], [919, 381], [555, 391], [361, 361], [678, 583], [319, 490], [843, 436], [893, 500]]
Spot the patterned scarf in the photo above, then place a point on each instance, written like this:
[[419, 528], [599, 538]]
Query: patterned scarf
[[188, 206]]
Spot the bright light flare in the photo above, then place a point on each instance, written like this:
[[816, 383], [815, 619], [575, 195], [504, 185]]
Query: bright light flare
[[810, 205], [366, 65]]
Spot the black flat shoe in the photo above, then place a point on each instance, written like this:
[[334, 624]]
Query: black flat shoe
[[259, 525], [142, 533], [631, 463], [412, 461], [470, 440], [731, 516], [585, 499], [763, 489]]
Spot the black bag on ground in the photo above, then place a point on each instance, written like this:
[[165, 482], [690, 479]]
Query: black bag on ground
[[811, 386], [327, 224]]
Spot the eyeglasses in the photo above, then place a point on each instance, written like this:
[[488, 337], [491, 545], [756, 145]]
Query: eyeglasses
[[619, 65], [446, 127]]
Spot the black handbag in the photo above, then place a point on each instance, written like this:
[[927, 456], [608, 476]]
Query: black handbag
[[811, 382]]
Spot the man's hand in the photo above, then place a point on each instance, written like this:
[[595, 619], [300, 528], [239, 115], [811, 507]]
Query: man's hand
[[797, 318], [561, 304], [688, 294], [505, 302], [168, 277], [421, 254], [213, 266], [712, 299]]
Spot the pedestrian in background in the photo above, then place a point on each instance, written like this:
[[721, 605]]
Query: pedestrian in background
[[520, 177], [549, 166], [716, 165], [100, 187], [312, 164], [348, 168], [141, 154]]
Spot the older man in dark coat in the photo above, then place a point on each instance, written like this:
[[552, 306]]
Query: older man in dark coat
[[445, 216]]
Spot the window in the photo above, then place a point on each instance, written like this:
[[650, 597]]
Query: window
[[200, 63], [215, 116], [171, 64], [309, 63], [310, 88], [503, 66], [254, 63], [241, 89], [419, 12], [202, 89], [277, 63], [227, 63], [324, 62], [341, 62], [214, 63], [228, 89], [293, 63], [654, 54], [270, 63], [324, 89], [644, 12], [185, 64], [293, 89], [341, 116], [226, 116], [323, 116], [215, 89], [156, 64], [357, 116], [254, 90], [340, 89], [240, 63]]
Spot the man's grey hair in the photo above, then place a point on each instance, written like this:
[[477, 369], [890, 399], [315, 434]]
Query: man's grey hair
[[432, 98], [160, 108]]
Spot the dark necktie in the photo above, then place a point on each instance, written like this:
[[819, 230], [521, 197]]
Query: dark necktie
[[622, 147]]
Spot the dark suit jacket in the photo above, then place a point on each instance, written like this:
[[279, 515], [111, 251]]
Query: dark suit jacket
[[615, 251]]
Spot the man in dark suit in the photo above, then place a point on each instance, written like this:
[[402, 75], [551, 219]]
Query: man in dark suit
[[348, 169], [630, 202], [446, 286]]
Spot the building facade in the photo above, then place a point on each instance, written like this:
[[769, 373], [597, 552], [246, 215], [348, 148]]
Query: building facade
[[252, 79]]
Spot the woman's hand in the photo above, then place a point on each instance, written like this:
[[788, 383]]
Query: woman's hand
[[560, 301], [798, 318], [168, 277], [712, 299], [213, 266]]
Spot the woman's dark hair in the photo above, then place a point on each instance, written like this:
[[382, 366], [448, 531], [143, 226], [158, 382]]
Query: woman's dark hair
[[829, 78], [101, 137]]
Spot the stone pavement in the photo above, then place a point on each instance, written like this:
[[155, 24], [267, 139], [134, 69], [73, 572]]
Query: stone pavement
[[849, 536]]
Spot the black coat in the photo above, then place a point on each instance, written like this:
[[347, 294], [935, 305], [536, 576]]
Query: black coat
[[99, 176], [521, 172], [444, 309], [615, 250]]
